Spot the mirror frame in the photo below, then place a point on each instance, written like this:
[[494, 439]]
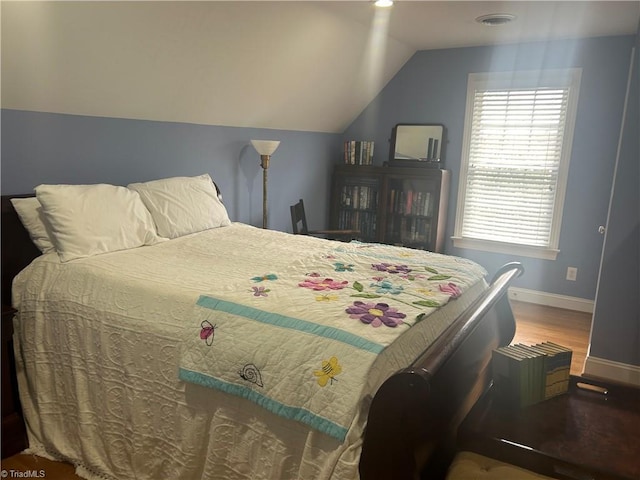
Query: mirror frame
[[437, 160]]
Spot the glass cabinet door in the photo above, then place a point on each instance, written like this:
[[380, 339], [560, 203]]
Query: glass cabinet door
[[355, 203], [412, 212]]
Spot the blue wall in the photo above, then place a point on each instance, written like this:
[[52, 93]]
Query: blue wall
[[431, 88], [53, 148]]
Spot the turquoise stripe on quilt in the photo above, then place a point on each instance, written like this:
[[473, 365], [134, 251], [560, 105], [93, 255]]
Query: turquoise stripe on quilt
[[289, 322], [292, 413]]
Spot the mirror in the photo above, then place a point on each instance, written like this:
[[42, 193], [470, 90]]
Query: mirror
[[417, 143]]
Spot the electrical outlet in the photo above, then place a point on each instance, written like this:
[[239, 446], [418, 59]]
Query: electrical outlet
[[572, 273]]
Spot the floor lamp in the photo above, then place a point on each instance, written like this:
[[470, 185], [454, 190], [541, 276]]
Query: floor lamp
[[265, 148]]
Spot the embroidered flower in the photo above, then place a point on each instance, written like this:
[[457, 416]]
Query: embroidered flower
[[386, 286], [330, 368], [389, 268], [375, 314], [313, 274], [341, 267], [326, 297], [260, 291], [268, 276], [326, 284], [451, 289]]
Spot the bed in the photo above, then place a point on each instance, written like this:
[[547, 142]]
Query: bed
[[236, 352]]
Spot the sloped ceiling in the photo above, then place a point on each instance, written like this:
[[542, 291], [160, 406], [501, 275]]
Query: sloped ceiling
[[296, 65]]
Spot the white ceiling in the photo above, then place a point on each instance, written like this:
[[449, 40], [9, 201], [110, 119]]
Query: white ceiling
[[296, 65], [426, 25]]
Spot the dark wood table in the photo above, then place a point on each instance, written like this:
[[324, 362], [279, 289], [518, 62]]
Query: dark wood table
[[584, 434]]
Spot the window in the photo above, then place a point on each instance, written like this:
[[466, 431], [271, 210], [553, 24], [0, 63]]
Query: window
[[516, 150]]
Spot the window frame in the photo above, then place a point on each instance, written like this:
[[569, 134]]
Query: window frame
[[535, 79]]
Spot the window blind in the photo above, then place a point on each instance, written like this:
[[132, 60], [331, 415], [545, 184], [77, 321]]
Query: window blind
[[513, 165]]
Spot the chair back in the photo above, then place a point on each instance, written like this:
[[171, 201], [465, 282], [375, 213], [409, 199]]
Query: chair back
[[299, 219]]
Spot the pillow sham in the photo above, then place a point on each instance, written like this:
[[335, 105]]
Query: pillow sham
[[87, 220], [32, 217], [183, 205]]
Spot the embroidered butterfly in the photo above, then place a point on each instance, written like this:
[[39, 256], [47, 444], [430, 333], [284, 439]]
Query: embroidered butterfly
[[208, 332]]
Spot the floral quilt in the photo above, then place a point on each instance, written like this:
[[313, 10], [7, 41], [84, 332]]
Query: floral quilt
[[301, 339]]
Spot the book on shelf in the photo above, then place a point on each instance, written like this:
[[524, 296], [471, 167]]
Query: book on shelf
[[358, 152], [527, 374], [409, 202], [359, 197]]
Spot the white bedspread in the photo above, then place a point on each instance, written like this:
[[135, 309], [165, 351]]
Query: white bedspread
[[98, 345]]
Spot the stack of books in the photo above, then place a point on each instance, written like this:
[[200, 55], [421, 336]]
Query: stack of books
[[527, 374], [358, 152]]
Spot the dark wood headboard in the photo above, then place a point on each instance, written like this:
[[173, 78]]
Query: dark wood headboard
[[17, 248]]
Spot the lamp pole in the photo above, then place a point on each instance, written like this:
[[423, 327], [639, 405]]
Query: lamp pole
[[265, 148], [264, 163]]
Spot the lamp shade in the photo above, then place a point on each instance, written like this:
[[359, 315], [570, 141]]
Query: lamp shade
[[265, 147]]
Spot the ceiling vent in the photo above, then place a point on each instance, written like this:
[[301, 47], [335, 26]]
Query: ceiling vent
[[496, 19]]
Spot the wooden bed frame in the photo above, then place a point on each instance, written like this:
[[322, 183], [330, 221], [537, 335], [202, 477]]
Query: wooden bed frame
[[414, 416]]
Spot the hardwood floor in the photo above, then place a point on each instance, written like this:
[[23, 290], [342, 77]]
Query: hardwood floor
[[534, 324], [569, 328]]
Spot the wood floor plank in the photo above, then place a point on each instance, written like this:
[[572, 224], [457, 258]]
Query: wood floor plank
[[540, 323]]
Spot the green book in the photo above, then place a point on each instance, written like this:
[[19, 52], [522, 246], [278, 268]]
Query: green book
[[510, 376], [526, 374], [537, 382], [561, 366], [547, 371]]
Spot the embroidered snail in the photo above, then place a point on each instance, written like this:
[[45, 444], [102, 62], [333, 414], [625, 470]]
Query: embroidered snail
[[251, 374]]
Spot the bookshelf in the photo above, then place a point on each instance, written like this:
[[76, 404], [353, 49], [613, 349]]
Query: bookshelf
[[394, 205]]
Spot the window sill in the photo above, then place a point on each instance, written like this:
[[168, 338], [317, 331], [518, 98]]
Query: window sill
[[507, 248]]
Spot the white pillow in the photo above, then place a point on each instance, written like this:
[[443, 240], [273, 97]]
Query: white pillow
[[32, 217], [88, 220], [183, 205]]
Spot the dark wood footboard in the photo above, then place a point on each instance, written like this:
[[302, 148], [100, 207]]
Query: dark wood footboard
[[414, 415]]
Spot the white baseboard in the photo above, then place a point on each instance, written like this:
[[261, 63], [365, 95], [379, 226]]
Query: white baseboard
[[551, 299], [614, 371]]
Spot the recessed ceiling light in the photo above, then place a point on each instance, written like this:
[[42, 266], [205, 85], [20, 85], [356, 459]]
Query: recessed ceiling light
[[383, 3], [495, 19]]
